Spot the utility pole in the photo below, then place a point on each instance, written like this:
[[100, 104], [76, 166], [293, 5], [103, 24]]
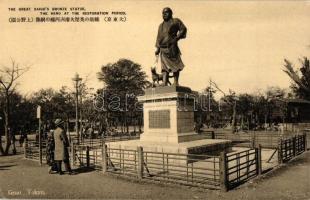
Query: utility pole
[[210, 93], [40, 137], [234, 115], [81, 114], [77, 79]]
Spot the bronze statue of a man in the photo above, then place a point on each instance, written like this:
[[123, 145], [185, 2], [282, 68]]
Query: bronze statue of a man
[[170, 31]]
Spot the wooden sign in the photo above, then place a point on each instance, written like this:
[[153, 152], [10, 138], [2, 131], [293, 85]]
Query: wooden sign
[[39, 112]]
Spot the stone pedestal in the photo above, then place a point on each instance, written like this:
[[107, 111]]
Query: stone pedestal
[[169, 115], [169, 125]]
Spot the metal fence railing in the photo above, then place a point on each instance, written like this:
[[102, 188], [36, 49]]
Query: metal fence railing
[[187, 169], [291, 147], [242, 166], [86, 156], [32, 150], [225, 171], [252, 138], [266, 140], [300, 144], [99, 141], [122, 161], [120, 138]]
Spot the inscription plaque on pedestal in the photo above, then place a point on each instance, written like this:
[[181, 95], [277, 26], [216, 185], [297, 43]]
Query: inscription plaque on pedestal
[[159, 119]]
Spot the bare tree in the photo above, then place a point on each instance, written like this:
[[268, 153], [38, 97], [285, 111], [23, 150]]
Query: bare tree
[[8, 83]]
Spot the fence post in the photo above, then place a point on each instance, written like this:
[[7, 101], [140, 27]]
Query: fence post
[[259, 159], [253, 139], [223, 172], [72, 154], [25, 148], [212, 135], [104, 158], [305, 141], [87, 156], [280, 160], [294, 146], [140, 162]]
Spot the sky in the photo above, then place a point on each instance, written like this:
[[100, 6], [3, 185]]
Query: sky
[[240, 45]]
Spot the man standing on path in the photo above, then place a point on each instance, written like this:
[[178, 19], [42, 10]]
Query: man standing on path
[[170, 31], [61, 147]]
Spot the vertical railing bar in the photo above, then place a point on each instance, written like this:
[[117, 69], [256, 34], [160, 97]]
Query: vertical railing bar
[[285, 147], [247, 162], [214, 171], [122, 158], [109, 157], [95, 154], [146, 157], [167, 164], [163, 166], [123, 154], [238, 167], [192, 172], [187, 172], [135, 160]]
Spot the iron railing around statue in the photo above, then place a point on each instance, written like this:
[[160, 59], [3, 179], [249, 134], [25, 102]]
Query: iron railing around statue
[[187, 169], [32, 150], [205, 171], [239, 167], [99, 141], [251, 139], [291, 147], [85, 156]]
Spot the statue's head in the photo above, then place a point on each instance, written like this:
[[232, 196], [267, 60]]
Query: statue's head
[[167, 13]]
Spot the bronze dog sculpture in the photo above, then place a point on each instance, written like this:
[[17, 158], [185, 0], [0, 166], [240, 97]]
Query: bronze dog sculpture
[[156, 77]]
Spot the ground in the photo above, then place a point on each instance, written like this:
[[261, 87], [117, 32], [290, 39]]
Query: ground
[[20, 178]]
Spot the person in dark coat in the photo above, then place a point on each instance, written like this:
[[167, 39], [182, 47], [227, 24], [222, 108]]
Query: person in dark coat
[[13, 140], [61, 147], [50, 148]]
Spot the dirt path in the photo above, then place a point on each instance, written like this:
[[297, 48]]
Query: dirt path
[[20, 178]]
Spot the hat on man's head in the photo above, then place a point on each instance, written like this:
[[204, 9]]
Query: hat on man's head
[[58, 122]]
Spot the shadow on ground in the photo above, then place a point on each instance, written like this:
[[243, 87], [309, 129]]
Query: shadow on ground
[[82, 170], [4, 167]]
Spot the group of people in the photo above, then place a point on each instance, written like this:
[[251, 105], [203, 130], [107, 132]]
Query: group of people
[[57, 149]]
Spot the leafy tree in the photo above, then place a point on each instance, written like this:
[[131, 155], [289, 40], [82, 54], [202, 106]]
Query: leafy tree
[[124, 81], [86, 101], [261, 108], [275, 92], [245, 108], [23, 113], [54, 104], [301, 78], [251, 109], [124, 76], [44, 98], [63, 102]]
